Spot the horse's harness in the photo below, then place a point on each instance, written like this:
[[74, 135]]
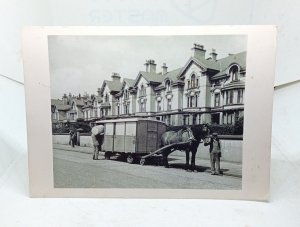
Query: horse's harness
[[188, 130]]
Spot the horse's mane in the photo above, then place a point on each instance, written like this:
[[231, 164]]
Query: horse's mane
[[196, 129]]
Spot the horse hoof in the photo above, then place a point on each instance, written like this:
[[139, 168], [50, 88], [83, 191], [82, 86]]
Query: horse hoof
[[188, 170], [195, 171], [166, 166]]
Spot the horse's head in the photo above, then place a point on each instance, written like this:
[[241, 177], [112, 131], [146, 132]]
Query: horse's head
[[200, 131]]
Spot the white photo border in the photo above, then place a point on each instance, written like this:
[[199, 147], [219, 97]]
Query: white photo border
[[261, 47]]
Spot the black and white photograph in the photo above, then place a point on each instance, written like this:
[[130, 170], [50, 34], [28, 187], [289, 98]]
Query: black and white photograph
[[161, 112]]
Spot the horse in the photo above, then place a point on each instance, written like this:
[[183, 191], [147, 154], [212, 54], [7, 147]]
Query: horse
[[193, 135]]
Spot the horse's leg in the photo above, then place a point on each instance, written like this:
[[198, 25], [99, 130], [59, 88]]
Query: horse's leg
[[187, 162], [193, 164], [165, 158]]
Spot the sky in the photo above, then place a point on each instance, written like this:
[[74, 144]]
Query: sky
[[79, 64]]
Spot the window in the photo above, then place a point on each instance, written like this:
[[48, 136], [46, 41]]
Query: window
[[72, 116], [217, 99], [158, 106], [188, 84], [229, 97], [142, 90], [197, 82], [193, 83], [169, 104], [143, 107], [168, 85], [126, 108], [240, 96], [234, 72], [118, 110], [106, 97], [126, 94], [191, 101]]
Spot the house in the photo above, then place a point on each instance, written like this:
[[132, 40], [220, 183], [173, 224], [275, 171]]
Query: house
[[126, 98], [59, 110], [203, 90], [108, 92]]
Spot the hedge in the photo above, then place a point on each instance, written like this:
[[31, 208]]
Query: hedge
[[224, 129], [67, 127]]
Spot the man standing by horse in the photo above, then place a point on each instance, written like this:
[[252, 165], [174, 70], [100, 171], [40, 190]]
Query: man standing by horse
[[215, 154], [98, 138]]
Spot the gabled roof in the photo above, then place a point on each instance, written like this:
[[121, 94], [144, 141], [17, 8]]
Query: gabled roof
[[239, 59], [172, 75], [63, 107], [114, 86], [129, 82], [219, 65], [56, 102], [149, 77], [59, 104], [79, 102]]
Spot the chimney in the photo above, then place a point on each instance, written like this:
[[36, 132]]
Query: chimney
[[150, 66], [65, 99], [164, 69], [213, 54], [116, 77], [198, 51]]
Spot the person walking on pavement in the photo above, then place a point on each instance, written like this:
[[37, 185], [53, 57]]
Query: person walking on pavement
[[215, 154], [98, 138], [73, 138]]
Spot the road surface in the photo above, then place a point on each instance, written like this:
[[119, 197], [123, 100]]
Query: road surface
[[78, 170]]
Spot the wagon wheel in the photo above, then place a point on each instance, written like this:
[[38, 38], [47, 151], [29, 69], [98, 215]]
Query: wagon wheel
[[107, 155], [142, 161], [130, 159]]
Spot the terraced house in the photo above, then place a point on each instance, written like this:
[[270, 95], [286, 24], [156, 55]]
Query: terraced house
[[205, 89]]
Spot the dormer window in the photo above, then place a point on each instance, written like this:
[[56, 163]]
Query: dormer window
[[233, 72], [193, 81], [168, 85]]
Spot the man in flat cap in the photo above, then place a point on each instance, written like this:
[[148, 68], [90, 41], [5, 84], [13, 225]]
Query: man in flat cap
[[98, 138], [215, 154]]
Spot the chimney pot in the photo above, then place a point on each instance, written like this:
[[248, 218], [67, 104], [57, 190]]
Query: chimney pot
[[115, 77], [198, 51], [213, 54], [164, 69], [150, 66]]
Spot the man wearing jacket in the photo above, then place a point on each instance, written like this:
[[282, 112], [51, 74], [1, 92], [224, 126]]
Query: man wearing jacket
[[215, 154], [98, 138]]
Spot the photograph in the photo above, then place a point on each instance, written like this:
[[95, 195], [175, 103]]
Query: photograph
[[148, 111]]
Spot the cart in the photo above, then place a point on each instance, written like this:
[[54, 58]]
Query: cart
[[132, 138]]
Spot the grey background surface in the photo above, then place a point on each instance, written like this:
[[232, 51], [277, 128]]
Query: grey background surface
[[285, 181]]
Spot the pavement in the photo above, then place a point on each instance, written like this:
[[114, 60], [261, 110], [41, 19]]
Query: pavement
[[203, 165]]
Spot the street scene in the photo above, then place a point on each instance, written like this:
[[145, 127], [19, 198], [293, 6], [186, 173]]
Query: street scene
[[74, 168], [119, 121]]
